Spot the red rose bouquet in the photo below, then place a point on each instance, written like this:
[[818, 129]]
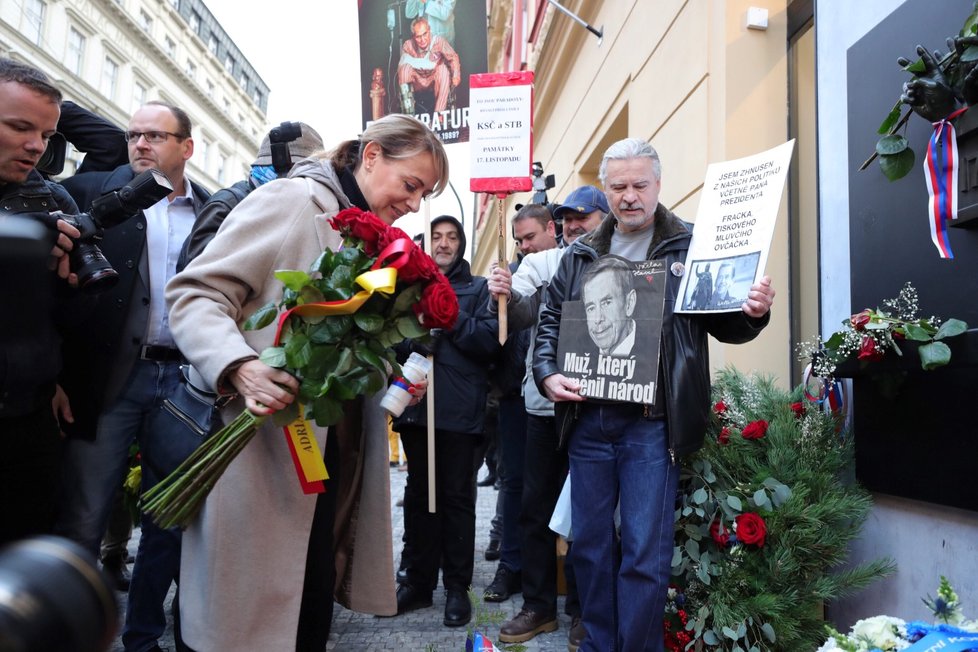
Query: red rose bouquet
[[337, 326]]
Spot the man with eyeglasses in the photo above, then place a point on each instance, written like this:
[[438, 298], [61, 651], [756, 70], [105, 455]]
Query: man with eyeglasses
[[120, 359]]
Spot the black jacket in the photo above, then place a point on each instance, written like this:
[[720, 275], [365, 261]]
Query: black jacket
[[210, 217], [684, 355], [95, 342], [462, 356], [30, 354]]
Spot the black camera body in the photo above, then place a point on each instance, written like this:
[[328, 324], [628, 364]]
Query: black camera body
[[95, 273], [279, 138]]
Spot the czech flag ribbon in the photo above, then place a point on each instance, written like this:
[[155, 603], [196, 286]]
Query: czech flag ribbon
[[941, 173]]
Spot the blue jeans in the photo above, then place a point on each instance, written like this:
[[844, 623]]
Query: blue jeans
[[94, 471], [617, 454]]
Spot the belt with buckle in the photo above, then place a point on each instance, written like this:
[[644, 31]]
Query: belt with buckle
[[156, 353]]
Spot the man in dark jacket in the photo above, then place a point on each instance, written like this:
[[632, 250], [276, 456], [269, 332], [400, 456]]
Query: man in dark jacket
[[30, 356], [625, 453], [120, 360], [462, 356]]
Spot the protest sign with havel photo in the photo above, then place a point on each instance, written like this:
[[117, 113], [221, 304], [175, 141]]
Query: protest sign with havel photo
[[609, 339], [734, 226]]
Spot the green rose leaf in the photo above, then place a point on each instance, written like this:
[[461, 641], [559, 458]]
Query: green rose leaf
[[327, 411], [893, 144], [322, 360], [331, 330], [950, 328], [409, 327], [273, 356], [917, 333], [261, 317], [407, 298], [897, 166], [324, 264], [349, 256], [311, 294], [293, 279], [367, 356], [891, 119], [934, 354], [368, 322], [298, 351], [341, 280]]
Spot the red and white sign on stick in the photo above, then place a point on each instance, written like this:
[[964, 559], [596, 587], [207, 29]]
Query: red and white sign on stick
[[501, 132], [501, 143]]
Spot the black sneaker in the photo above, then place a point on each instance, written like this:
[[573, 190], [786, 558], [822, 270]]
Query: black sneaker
[[505, 584]]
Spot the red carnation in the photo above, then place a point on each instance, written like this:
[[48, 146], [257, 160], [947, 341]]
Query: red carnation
[[868, 350], [361, 225], [438, 306], [750, 529], [724, 437], [720, 534], [720, 408], [754, 429], [860, 319], [798, 408]]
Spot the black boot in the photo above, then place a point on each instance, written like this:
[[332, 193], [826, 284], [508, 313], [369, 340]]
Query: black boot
[[115, 569]]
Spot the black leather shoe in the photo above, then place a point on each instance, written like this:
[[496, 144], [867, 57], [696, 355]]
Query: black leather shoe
[[505, 584], [115, 569], [458, 609], [492, 550], [401, 576], [410, 598]]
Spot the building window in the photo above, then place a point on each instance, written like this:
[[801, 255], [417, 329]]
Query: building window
[[194, 22], [175, 4], [212, 43], [110, 77], [170, 47], [191, 69], [33, 20], [145, 21], [210, 89], [227, 105], [222, 164], [139, 93], [256, 96], [76, 51], [243, 80], [229, 64], [201, 154]]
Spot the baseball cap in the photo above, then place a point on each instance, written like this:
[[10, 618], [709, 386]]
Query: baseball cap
[[584, 200], [304, 146]]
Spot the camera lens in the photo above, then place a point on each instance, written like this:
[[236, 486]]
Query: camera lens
[[52, 599], [95, 274]]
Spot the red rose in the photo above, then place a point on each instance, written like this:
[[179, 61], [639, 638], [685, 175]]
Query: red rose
[[389, 236], [799, 409], [750, 529], [720, 534], [724, 437], [868, 350], [754, 429], [438, 306], [720, 408], [366, 227], [860, 319], [418, 267]]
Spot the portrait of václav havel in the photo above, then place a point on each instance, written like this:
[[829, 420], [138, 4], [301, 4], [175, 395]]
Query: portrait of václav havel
[[609, 299]]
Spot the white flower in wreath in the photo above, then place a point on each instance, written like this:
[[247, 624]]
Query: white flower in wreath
[[883, 632]]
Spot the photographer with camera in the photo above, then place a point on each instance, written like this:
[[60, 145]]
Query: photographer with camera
[[281, 148], [29, 343], [120, 359]]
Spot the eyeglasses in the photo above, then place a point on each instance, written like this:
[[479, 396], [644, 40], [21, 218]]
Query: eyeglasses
[[151, 136]]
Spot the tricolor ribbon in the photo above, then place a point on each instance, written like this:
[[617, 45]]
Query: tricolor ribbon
[[829, 396], [941, 173], [382, 279]]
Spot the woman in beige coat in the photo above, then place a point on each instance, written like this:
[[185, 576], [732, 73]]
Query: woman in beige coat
[[259, 567]]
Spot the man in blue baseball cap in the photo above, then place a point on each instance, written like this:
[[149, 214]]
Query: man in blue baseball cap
[[581, 212]]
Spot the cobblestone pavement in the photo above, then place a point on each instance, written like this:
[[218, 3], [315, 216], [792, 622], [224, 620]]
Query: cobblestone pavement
[[421, 630]]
